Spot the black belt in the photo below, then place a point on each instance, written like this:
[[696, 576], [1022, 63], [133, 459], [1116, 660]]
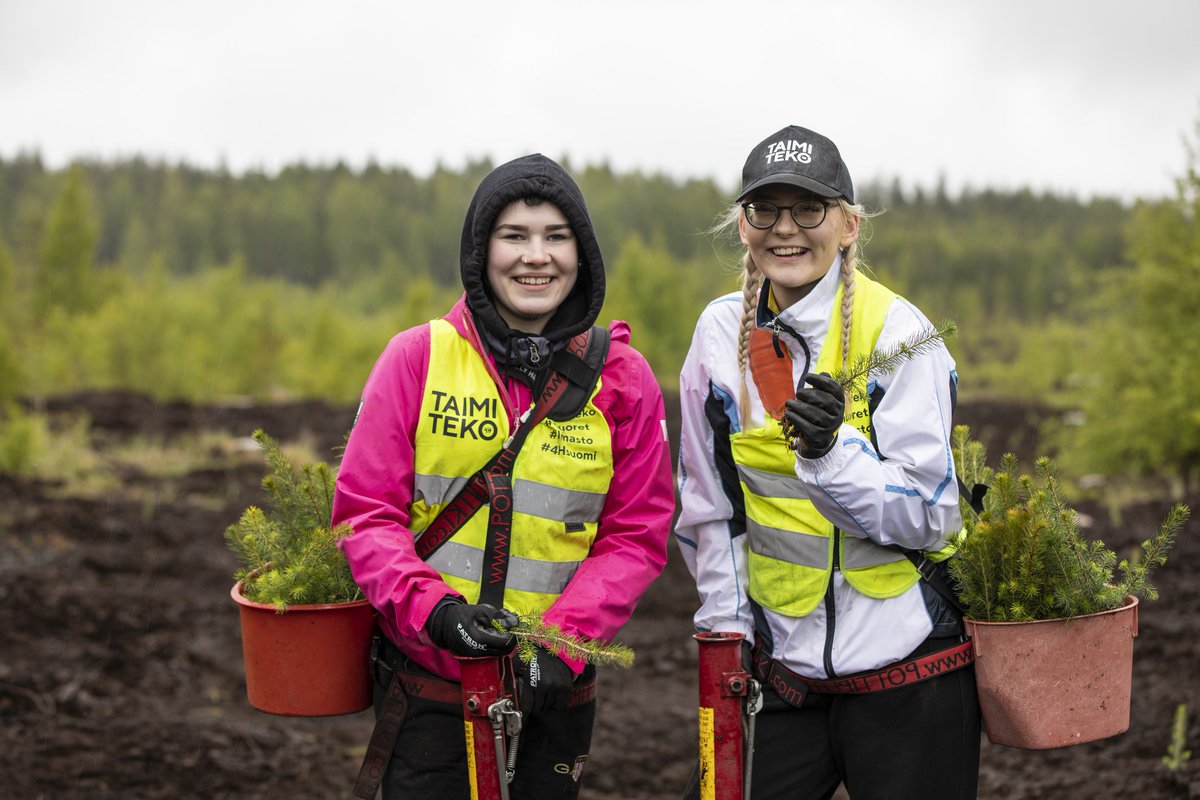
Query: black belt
[[793, 688]]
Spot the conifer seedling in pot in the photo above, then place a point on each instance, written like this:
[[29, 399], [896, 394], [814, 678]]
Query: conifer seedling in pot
[[1024, 558], [306, 628], [287, 552], [1051, 615]]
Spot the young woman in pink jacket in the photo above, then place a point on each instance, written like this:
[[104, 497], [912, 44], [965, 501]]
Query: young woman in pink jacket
[[577, 530]]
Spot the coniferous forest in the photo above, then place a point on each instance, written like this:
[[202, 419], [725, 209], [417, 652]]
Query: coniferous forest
[[197, 284]]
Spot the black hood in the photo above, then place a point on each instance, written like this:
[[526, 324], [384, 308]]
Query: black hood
[[532, 175]]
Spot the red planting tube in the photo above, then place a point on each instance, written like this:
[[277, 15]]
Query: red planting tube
[[482, 688], [723, 688]]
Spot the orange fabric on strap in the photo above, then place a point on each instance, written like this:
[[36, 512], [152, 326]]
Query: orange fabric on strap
[[771, 372]]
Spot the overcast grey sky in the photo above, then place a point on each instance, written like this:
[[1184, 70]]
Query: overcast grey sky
[[1078, 96]]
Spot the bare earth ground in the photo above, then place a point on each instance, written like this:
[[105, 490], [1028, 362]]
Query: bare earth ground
[[120, 657]]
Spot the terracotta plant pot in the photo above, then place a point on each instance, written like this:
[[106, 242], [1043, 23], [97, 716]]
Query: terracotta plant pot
[[1053, 683], [310, 661]]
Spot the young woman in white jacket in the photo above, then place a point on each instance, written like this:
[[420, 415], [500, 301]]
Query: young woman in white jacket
[[805, 512]]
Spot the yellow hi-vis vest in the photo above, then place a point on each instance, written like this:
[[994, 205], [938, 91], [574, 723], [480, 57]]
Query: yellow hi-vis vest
[[559, 480], [791, 545]]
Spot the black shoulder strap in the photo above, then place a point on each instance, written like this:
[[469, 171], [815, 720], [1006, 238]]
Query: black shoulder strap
[[580, 362], [973, 495], [928, 570], [936, 579]]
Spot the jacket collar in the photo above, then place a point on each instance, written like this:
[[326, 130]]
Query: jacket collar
[[809, 316]]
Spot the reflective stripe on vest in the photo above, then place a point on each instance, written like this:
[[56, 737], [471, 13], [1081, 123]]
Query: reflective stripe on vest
[[560, 478], [539, 499], [524, 574], [791, 544]]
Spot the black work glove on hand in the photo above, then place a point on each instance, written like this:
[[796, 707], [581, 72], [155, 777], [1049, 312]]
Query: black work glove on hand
[[466, 630], [544, 683], [815, 415]]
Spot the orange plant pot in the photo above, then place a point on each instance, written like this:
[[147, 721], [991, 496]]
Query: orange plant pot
[[1058, 682], [310, 661]]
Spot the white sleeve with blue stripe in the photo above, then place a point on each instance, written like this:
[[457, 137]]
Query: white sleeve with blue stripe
[[713, 550]]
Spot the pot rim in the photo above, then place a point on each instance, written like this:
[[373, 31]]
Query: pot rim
[[1131, 601], [242, 600], [718, 636]]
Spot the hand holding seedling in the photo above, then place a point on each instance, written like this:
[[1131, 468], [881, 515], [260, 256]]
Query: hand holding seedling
[[811, 419]]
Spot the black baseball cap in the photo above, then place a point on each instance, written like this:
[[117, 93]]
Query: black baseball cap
[[798, 157]]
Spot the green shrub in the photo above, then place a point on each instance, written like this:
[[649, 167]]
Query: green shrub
[[22, 438]]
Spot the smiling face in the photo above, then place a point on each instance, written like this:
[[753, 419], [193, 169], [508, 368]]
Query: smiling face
[[532, 264], [795, 258]]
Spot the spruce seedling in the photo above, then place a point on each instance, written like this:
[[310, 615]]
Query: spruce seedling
[[532, 632], [288, 553], [881, 362], [1024, 558], [1177, 753], [1154, 554]]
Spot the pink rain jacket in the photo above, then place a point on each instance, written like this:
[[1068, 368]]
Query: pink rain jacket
[[375, 488]]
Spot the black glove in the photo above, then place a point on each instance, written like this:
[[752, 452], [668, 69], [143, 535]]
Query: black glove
[[466, 630], [544, 683], [815, 415]]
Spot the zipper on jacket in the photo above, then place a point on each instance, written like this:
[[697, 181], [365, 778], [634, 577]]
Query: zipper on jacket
[[831, 607], [775, 338], [777, 327]]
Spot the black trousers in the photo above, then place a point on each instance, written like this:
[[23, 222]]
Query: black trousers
[[919, 741], [430, 757]]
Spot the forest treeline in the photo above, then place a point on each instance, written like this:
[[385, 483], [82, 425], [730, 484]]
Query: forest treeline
[[199, 283], [381, 243]]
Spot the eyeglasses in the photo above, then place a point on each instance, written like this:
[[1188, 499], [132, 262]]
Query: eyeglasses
[[807, 213]]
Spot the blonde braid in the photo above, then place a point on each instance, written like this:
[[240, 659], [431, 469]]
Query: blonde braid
[[849, 264], [751, 281]]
